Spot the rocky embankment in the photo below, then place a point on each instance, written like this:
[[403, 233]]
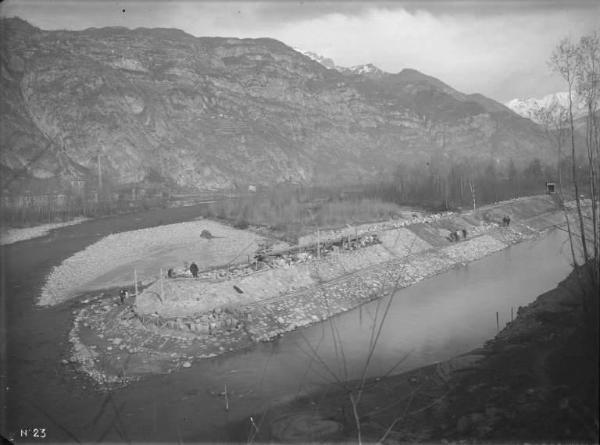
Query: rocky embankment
[[175, 321]]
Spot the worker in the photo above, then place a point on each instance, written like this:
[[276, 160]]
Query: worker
[[194, 270], [123, 294]]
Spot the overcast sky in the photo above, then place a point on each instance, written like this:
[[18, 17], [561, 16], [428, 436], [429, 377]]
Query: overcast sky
[[499, 49]]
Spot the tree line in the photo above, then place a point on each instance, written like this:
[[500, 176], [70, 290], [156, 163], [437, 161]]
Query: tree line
[[442, 185]]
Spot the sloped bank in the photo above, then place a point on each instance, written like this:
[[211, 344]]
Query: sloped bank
[[189, 319]]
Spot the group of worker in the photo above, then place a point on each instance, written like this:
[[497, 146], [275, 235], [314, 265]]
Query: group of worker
[[123, 295], [506, 221], [455, 236], [193, 270]]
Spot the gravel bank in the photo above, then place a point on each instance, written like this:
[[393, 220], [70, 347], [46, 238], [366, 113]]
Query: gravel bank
[[14, 235], [111, 261]]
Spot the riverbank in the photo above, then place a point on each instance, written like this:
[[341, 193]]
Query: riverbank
[[170, 325], [537, 380], [11, 235]]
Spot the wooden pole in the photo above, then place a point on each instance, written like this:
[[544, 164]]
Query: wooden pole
[[162, 289], [497, 323], [135, 281], [318, 243], [511, 314], [99, 174], [226, 399]]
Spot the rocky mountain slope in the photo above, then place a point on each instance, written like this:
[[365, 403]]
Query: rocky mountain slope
[[216, 113]]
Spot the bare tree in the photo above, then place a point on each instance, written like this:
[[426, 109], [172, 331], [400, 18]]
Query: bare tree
[[564, 61], [554, 119], [587, 85], [579, 65]]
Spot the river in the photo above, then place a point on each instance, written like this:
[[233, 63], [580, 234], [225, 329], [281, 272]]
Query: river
[[431, 321]]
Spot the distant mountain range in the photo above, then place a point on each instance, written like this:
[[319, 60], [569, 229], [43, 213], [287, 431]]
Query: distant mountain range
[[530, 107], [212, 113]]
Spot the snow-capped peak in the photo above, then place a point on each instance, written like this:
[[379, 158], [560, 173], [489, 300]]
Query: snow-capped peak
[[325, 61], [368, 68], [554, 103]]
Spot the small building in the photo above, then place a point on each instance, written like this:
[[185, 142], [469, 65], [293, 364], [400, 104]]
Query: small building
[[550, 187], [78, 185], [252, 188]]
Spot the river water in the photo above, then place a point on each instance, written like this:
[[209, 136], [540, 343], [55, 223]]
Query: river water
[[436, 319]]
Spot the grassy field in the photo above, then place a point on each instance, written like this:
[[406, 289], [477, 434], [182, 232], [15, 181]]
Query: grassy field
[[293, 213]]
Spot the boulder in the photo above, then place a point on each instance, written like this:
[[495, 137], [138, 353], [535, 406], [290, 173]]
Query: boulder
[[206, 234]]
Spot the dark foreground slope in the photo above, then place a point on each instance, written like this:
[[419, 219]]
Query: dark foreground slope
[[537, 380], [215, 113]]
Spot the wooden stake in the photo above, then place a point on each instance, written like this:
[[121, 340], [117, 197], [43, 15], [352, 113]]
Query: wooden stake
[[135, 281], [99, 174], [318, 243], [162, 289], [226, 399]]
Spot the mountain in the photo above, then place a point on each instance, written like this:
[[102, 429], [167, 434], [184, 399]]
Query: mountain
[[528, 108], [325, 61], [211, 113]]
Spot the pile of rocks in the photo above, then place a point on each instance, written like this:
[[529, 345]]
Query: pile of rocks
[[220, 319]]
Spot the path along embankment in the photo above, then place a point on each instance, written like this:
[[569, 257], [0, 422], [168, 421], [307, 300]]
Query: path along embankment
[[177, 320]]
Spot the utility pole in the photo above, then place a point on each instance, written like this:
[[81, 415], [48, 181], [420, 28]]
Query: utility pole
[[472, 187], [99, 172]]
